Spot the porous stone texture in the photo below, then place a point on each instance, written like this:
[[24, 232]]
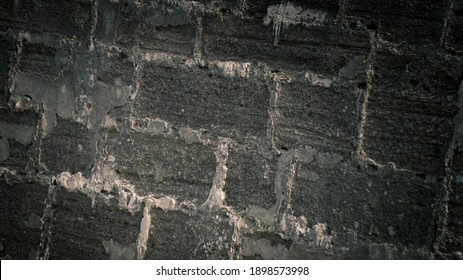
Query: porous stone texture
[[234, 129]]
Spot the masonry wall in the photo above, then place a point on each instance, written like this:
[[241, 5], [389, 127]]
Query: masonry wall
[[235, 129]]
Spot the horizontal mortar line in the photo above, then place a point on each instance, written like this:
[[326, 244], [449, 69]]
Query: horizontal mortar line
[[285, 73]]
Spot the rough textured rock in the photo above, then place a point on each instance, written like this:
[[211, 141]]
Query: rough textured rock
[[235, 129]]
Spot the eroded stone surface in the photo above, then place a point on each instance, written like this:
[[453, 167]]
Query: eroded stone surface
[[231, 129]]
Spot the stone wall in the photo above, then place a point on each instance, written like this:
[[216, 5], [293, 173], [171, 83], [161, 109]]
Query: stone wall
[[235, 129]]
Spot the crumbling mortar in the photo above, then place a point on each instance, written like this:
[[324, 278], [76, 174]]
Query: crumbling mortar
[[47, 224], [443, 196], [445, 27], [362, 102], [90, 44], [274, 87], [198, 41]]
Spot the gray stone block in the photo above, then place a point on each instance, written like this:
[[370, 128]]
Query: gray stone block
[[82, 229], [175, 235], [410, 112], [69, 18], [69, 147], [203, 98], [313, 115], [250, 180], [164, 166], [20, 229]]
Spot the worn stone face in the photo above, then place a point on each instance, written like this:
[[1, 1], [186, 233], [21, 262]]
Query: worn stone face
[[163, 166], [17, 132], [188, 237], [50, 16], [20, 229], [454, 38], [198, 98], [67, 148], [250, 180], [409, 105], [6, 59], [156, 26], [373, 206], [114, 230], [302, 116], [233, 129]]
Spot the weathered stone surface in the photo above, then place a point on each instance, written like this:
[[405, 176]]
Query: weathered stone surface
[[378, 206], [20, 229], [17, 133], [6, 58], [233, 129], [250, 41], [115, 67], [324, 116], [164, 166], [37, 60], [70, 18], [161, 26], [250, 179], [82, 229], [178, 236], [450, 238], [410, 111], [407, 22], [68, 148], [428, 9], [109, 14], [454, 37], [225, 104]]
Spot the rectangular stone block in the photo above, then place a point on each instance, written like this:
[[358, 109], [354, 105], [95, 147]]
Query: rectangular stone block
[[6, 58], [403, 22], [343, 40], [17, 133], [247, 40], [454, 38], [204, 98], [167, 28], [314, 23], [410, 112], [450, 242], [69, 147], [175, 235], [81, 230], [250, 180], [412, 31], [311, 115], [22, 206], [164, 166], [109, 14], [69, 18], [114, 67], [379, 206], [38, 60], [430, 9]]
